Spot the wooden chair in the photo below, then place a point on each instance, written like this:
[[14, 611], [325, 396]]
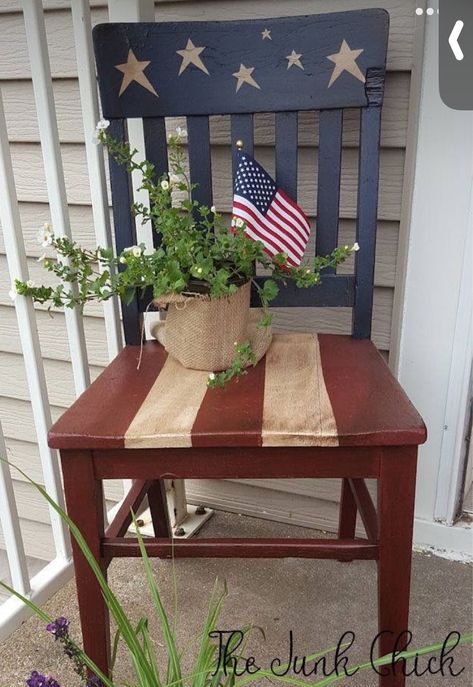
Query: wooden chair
[[316, 406]]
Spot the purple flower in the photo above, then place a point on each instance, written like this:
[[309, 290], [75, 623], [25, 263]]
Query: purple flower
[[38, 680], [59, 628], [94, 681]]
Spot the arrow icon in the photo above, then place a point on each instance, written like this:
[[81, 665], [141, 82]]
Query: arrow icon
[[453, 40]]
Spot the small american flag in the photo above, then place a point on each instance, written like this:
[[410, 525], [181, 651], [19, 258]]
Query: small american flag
[[270, 216]]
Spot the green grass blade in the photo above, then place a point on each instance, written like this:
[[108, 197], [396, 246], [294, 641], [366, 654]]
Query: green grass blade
[[174, 672], [113, 659], [205, 663], [143, 630], [123, 623]]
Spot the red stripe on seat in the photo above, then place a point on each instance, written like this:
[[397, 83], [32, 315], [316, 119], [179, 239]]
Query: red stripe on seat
[[232, 416], [368, 403], [111, 402]]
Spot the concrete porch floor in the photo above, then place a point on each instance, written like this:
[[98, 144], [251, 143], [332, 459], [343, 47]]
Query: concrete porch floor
[[318, 600]]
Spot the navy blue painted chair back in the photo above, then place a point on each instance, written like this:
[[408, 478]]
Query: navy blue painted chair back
[[325, 62]]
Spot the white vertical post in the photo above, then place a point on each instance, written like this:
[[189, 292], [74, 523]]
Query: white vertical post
[[43, 91], [11, 526], [18, 268], [131, 11], [135, 10], [98, 188]]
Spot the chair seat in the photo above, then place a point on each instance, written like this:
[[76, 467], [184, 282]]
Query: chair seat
[[309, 390]]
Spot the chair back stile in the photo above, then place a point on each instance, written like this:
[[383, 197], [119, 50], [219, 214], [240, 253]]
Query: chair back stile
[[207, 86]]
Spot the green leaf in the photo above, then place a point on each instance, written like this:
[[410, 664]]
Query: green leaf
[[270, 290]]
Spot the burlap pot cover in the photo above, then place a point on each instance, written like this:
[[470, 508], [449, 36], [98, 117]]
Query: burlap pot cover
[[201, 332]]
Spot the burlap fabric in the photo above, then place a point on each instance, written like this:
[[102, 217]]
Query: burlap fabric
[[201, 332]]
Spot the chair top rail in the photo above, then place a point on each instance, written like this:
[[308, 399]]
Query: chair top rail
[[231, 67]]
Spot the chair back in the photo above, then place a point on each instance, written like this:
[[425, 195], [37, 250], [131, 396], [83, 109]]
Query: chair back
[[325, 62]]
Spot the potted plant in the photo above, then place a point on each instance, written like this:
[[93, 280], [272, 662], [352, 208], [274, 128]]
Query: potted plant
[[201, 272]]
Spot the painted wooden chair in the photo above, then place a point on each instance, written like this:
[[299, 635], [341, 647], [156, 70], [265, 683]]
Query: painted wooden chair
[[315, 406]]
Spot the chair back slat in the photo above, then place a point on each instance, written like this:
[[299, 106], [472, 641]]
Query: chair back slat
[[198, 132], [241, 129], [286, 152], [125, 228], [154, 131], [328, 185], [368, 182]]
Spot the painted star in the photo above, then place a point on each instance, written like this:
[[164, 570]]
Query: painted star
[[294, 59], [191, 55], [244, 76], [345, 61], [266, 34], [133, 70]]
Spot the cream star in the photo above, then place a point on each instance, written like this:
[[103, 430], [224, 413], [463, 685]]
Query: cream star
[[294, 59], [191, 55], [244, 76], [266, 34], [345, 61], [133, 70]]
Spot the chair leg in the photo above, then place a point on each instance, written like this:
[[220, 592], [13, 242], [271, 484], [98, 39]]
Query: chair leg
[[347, 517], [396, 495], [84, 499], [159, 510]]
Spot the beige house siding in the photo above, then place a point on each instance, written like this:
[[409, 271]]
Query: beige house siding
[[302, 501]]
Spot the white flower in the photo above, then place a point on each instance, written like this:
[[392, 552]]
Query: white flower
[[45, 235], [136, 250], [13, 292], [30, 284], [233, 222], [122, 259], [239, 223], [213, 209], [102, 124], [165, 185], [356, 246], [180, 132], [174, 178], [199, 270], [212, 376]]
